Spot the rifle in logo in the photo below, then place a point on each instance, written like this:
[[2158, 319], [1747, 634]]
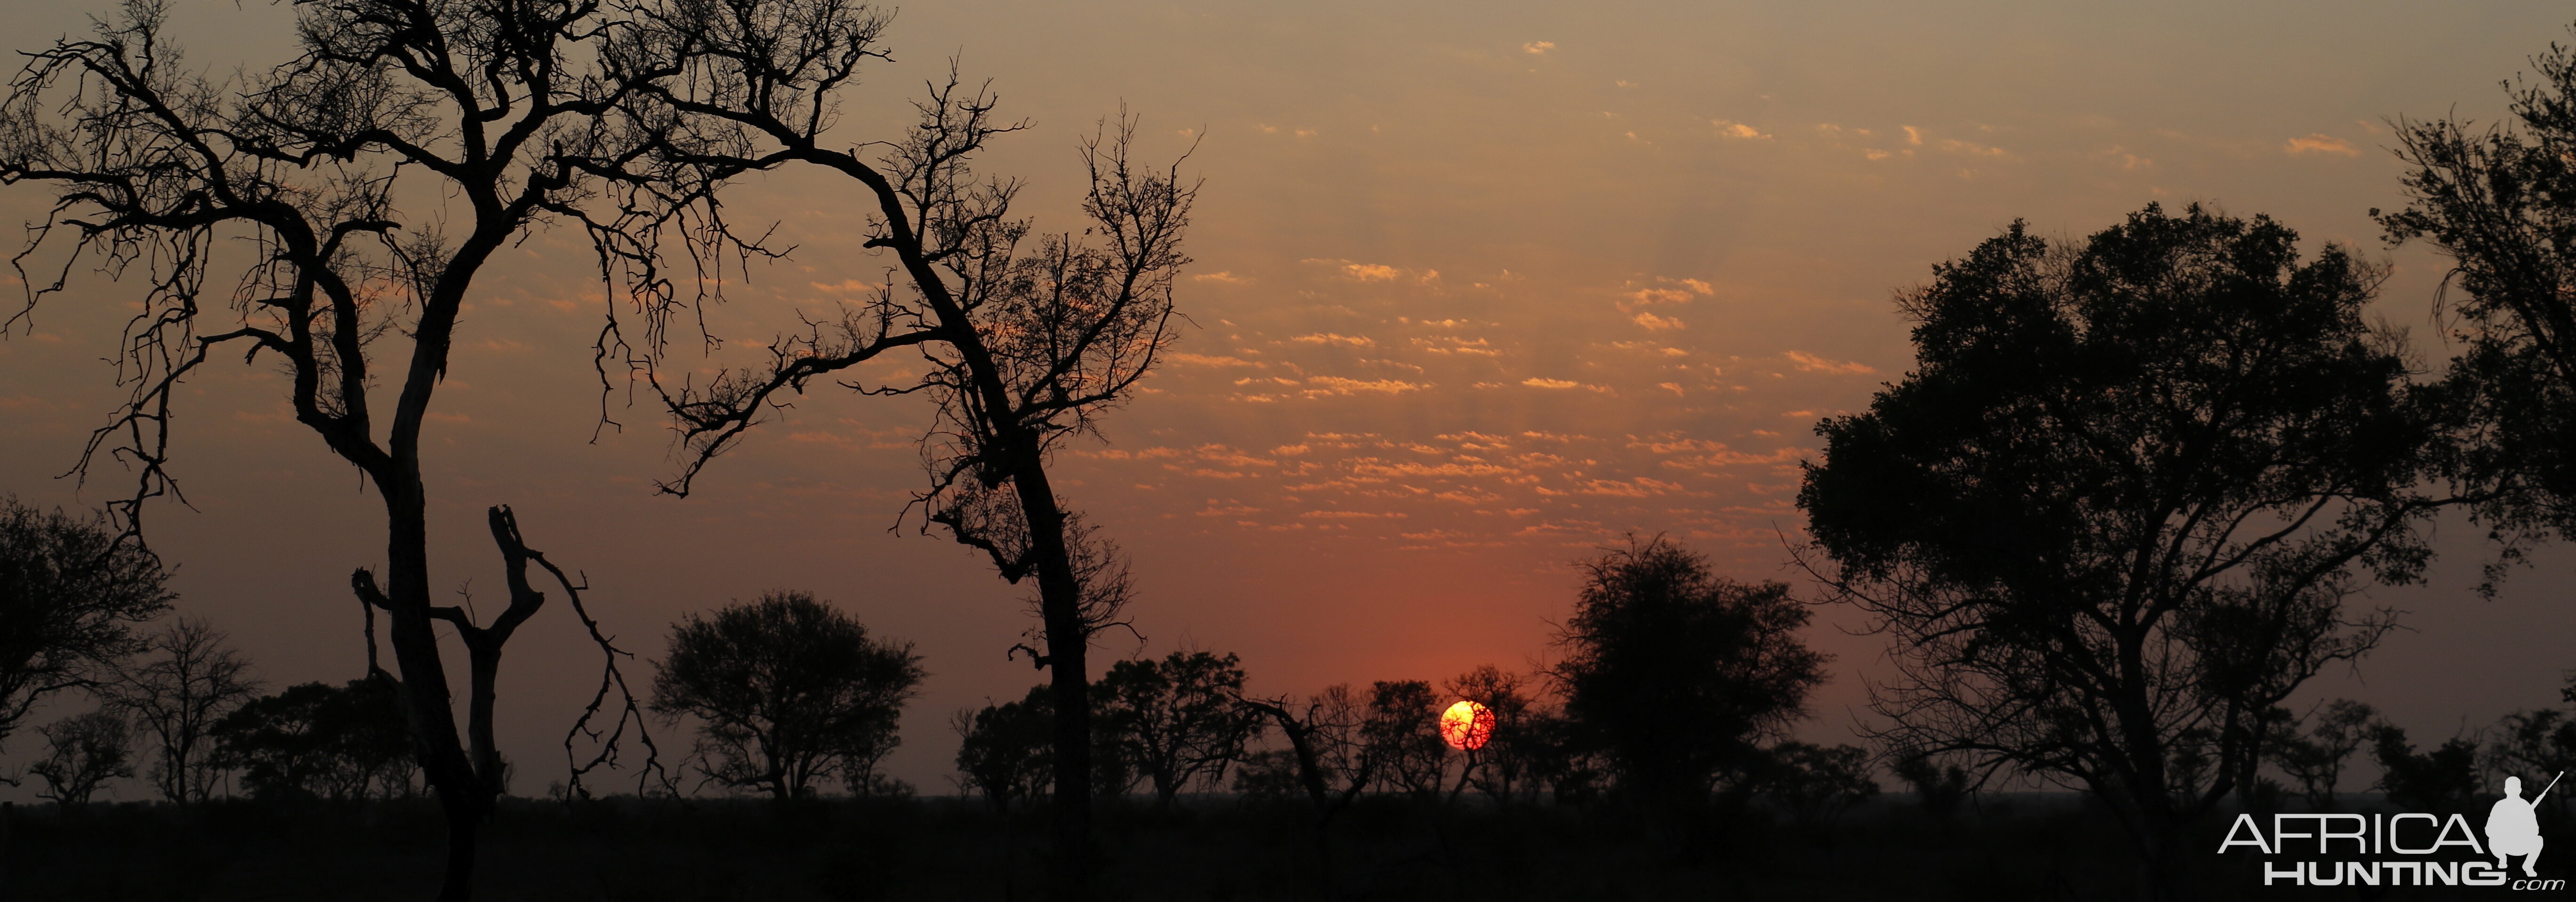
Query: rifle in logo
[[2513, 826]]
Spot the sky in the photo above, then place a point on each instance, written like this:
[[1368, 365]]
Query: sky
[[1478, 289]]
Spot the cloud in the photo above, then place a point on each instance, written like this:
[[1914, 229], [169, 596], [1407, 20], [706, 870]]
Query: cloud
[[1913, 135], [1184, 359], [1538, 382], [1732, 129], [1329, 338], [2128, 161], [1456, 345], [2319, 143], [1320, 386], [1974, 150], [1225, 277], [1378, 272], [1351, 515], [1813, 364], [1655, 323], [1688, 288], [1538, 47]]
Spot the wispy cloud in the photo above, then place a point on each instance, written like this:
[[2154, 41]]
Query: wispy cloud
[[2320, 143], [1727, 128], [1811, 363]]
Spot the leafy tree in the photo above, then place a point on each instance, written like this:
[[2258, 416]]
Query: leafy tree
[[2443, 778], [2501, 203], [2537, 744], [1938, 785], [316, 740], [787, 690], [177, 697], [1676, 673], [1816, 783], [2315, 757], [1564, 757], [83, 751], [1176, 720], [1005, 748], [70, 594], [2112, 519]]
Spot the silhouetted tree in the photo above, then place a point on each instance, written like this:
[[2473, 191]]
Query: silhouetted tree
[[1677, 673], [2443, 778], [1027, 337], [1006, 749], [2111, 520], [177, 697], [2315, 756], [1329, 756], [1400, 735], [316, 740], [367, 182], [1505, 763], [787, 690], [1564, 757], [81, 752], [2501, 203], [70, 594], [2537, 744], [1938, 785], [1817, 783], [1177, 720]]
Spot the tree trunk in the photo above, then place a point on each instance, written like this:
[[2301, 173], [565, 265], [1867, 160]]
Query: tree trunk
[[1068, 640], [427, 705]]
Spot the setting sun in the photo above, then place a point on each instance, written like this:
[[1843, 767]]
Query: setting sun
[[1467, 725]]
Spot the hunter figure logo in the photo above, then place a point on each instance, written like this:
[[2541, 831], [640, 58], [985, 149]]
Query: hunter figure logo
[[2512, 830]]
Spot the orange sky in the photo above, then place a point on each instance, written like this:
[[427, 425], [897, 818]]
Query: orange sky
[[1479, 288]]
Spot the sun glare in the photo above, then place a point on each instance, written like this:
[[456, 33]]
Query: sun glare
[[1467, 725]]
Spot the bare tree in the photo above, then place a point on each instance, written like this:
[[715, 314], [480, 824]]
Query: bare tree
[[1334, 761], [317, 169], [1026, 338], [177, 697], [1506, 760], [84, 751], [70, 595]]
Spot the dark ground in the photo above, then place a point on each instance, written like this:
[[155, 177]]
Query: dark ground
[[2028, 847]]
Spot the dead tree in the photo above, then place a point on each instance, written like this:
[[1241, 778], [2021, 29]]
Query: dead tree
[[317, 168], [1334, 763], [1027, 338], [177, 697]]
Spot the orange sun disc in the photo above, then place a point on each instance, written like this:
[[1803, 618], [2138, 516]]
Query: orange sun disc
[[1467, 725]]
